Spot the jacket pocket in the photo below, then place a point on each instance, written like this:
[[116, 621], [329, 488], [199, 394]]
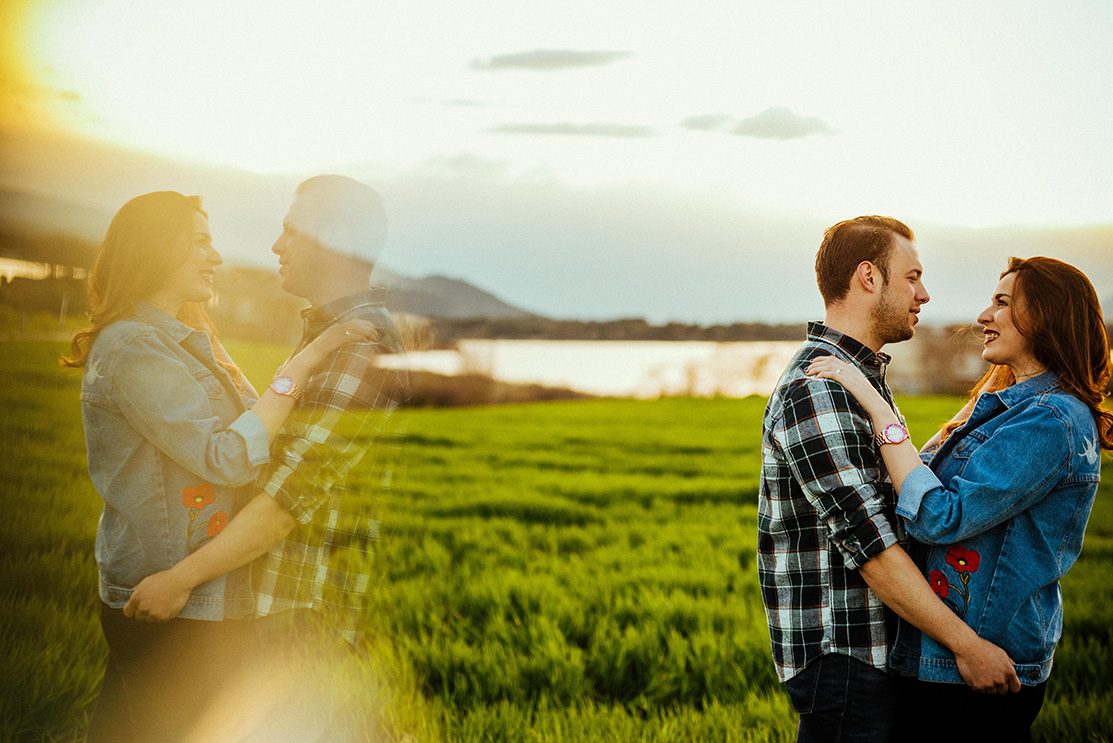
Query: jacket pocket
[[969, 444], [212, 386]]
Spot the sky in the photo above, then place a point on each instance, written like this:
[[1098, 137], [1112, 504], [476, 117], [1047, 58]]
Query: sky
[[670, 160]]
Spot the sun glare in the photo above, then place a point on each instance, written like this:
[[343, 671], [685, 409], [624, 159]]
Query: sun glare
[[244, 84]]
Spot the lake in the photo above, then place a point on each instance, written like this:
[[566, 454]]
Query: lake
[[641, 369]]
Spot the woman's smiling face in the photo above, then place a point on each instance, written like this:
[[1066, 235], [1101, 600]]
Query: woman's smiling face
[[193, 280], [1004, 344]]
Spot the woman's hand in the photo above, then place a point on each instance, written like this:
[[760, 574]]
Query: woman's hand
[[309, 358], [900, 459], [830, 367]]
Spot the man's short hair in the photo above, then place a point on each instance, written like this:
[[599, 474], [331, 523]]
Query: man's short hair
[[341, 214], [848, 243]]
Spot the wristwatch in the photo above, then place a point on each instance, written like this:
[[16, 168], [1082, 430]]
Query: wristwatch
[[894, 433], [283, 385]]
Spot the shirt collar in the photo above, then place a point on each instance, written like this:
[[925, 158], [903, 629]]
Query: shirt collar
[[861, 354], [1036, 385], [316, 319], [162, 321]]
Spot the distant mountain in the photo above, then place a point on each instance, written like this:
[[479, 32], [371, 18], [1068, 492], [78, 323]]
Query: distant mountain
[[22, 209], [440, 296]]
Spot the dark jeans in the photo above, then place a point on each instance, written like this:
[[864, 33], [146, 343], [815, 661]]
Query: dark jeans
[[162, 679], [843, 700], [926, 709]]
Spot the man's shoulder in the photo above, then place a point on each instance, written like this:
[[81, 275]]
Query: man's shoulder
[[801, 400], [794, 384], [389, 340], [354, 379]]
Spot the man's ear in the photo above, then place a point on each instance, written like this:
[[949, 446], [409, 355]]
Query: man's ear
[[868, 277]]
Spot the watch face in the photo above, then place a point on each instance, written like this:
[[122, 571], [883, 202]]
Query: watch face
[[282, 385], [895, 433]]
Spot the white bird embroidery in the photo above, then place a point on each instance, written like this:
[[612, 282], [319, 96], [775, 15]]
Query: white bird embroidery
[[1090, 452], [92, 372]]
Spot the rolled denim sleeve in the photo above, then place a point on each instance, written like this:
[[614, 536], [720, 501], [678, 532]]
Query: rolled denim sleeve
[[829, 447], [1004, 475], [167, 405], [254, 433]]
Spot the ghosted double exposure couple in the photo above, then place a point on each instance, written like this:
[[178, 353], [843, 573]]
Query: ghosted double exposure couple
[[912, 593], [234, 553]]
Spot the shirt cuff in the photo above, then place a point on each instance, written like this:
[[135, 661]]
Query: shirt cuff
[[250, 427], [868, 540], [301, 510], [919, 483]]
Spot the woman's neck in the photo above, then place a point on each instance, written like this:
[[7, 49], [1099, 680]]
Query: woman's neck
[[167, 304], [1027, 370]]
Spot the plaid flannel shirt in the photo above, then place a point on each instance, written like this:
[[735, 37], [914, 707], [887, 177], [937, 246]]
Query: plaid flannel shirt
[[826, 507], [331, 466]]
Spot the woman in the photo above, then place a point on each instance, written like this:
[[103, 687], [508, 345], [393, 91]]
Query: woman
[[173, 450], [1000, 509]]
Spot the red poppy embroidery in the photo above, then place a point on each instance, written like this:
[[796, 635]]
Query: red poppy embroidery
[[939, 583], [195, 498], [198, 496], [963, 560], [217, 522]]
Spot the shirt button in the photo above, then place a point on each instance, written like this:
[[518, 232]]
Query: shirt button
[[1032, 675]]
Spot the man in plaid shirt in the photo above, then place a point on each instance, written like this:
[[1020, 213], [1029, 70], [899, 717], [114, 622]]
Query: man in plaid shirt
[[830, 559], [344, 424]]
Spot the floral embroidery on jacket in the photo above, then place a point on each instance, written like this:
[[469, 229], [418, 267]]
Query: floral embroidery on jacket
[[964, 562], [939, 583], [216, 523], [196, 497]]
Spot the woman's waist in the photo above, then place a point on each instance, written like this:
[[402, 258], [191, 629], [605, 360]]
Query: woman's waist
[[224, 597], [158, 527]]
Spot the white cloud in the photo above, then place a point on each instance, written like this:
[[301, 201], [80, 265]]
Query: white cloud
[[548, 60], [780, 123], [708, 122]]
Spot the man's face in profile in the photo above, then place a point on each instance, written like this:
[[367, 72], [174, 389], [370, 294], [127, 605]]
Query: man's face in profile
[[301, 260]]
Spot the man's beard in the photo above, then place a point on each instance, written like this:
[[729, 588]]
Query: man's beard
[[890, 320]]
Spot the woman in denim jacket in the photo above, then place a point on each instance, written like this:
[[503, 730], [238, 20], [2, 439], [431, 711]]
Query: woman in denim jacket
[[175, 436], [999, 503]]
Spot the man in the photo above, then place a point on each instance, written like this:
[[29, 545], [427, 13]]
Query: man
[[829, 545], [311, 527]]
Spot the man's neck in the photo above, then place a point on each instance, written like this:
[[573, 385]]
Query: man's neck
[[338, 287], [856, 325]]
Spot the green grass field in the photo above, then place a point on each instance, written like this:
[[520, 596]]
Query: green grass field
[[555, 572]]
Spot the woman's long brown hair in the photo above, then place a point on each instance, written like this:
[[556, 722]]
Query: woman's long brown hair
[[147, 241], [1061, 315]]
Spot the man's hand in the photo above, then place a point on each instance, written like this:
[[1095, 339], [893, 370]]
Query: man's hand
[[987, 668], [157, 598]]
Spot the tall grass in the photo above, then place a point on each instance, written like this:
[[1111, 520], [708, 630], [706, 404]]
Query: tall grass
[[556, 572]]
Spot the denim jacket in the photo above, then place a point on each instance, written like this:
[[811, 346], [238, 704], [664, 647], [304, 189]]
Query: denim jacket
[[173, 451], [999, 514]]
